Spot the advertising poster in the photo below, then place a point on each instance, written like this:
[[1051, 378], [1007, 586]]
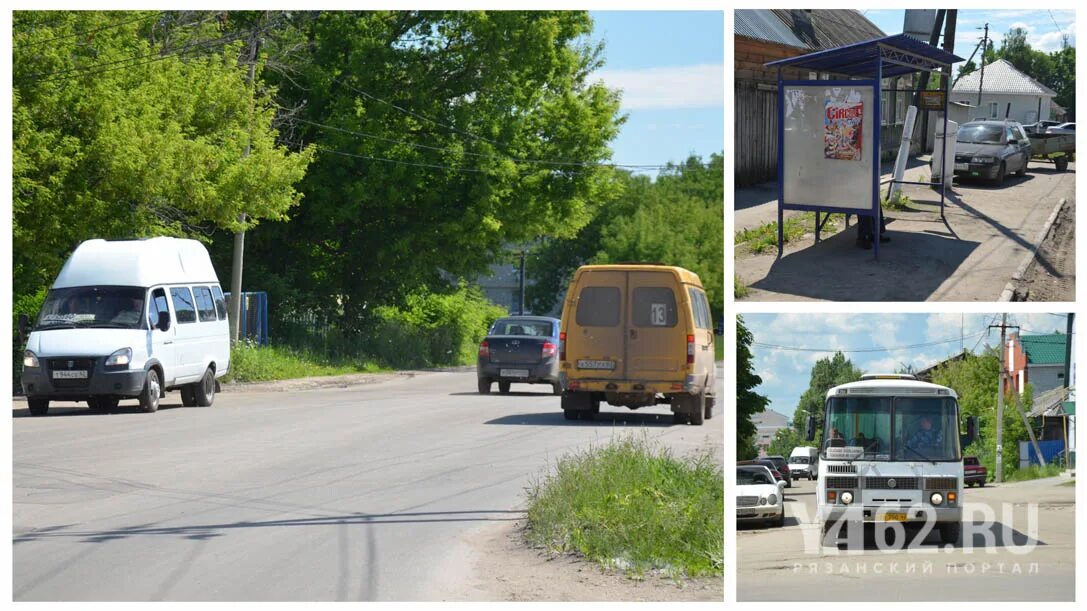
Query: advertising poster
[[842, 124]]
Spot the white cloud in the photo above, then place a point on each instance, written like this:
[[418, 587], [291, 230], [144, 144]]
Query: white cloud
[[697, 86]]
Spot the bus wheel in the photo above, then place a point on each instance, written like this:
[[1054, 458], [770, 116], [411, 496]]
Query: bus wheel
[[950, 532]]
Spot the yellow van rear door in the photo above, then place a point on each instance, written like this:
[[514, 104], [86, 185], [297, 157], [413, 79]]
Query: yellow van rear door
[[657, 334], [596, 340]]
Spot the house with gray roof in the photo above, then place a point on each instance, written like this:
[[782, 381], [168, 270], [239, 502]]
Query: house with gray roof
[[1005, 93]]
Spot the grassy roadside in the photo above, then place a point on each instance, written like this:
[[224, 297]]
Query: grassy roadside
[[251, 363], [1034, 472], [765, 237], [632, 505]]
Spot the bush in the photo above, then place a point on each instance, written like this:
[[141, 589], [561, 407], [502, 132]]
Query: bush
[[250, 362], [634, 506], [433, 329]]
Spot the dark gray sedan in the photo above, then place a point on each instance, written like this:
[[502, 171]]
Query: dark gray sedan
[[992, 150], [521, 349]]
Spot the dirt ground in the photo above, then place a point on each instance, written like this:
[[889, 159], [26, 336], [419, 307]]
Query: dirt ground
[[508, 570], [1052, 275]]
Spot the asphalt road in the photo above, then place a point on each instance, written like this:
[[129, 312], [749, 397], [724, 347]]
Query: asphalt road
[[368, 493], [1016, 564]]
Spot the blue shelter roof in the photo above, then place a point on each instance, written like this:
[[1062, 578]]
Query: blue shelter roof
[[901, 55]]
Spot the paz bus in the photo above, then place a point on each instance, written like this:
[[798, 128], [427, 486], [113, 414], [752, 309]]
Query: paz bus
[[891, 452]]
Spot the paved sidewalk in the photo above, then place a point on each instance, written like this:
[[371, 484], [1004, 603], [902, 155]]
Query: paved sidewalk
[[970, 257]]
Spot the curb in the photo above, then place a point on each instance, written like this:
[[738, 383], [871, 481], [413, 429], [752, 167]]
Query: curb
[[1008, 294]]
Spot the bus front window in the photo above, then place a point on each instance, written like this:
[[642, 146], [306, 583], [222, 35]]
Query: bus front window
[[926, 429], [858, 427]]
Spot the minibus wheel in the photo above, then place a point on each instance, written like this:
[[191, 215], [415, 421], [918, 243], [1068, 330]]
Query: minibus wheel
[[149, 396], [204, 390]]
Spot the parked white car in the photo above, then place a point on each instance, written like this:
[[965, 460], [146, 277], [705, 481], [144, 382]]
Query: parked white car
[[759, 498], [129, 319]]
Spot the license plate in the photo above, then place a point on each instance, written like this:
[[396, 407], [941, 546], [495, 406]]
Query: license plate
[[591, 364], [74, 374], [892, 517], [513, 373], [961, 166], [741, 512]]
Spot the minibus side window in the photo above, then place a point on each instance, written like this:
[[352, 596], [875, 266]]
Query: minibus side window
[[708, 323], [598, 306], [654, 306], [205, 306], [220, 302], [158, 304], [183, 304]]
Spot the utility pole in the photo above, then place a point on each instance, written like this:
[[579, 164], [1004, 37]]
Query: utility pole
[[984, 47], [521, 284], [1068, 382], [239, 237], [1000, 396]]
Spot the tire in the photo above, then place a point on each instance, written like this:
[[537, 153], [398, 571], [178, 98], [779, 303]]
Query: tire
[[187, 397], [1023, 170], [1062, 163], [38, 407], [999, 180], [504, 388], [102, 405], [578, 405], [484, 386], [571, 414], [204, 390], [708, 411], [981, 483], [556, 388], [679, 418], [950, 531], [696, 408], [780, 520], [149, 396]]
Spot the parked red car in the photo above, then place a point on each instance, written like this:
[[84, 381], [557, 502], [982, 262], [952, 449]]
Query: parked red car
[[973, 472]]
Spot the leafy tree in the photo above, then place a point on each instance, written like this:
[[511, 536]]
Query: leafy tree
[[442, 138], [108, 146], [784, 441], [975, 380], [674, 220], [825, 374], [748, 402]]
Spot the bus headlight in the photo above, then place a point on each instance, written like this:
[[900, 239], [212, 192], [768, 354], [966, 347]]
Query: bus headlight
[[847, 497], [936, 498]]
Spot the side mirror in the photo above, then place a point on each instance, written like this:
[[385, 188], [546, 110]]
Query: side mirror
[[24, 324], [163, 323], [811, 428]]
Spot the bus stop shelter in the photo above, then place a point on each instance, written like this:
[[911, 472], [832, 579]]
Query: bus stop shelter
[[829, 130]]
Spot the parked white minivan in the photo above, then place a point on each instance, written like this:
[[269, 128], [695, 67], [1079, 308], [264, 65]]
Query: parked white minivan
[[129, 319]]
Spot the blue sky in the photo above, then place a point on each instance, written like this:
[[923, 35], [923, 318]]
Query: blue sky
[[786, 373], [1044, 27], [670, 66]]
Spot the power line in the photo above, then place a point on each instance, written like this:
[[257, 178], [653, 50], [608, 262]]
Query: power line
[[96, 30], [1059, 29], [128, 62], [482, 155], [866, 350]]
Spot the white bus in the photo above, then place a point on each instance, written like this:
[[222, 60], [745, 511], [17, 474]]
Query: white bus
[[891, 452]]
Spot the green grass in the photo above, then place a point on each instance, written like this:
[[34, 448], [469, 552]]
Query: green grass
[[765, 237], [632, 505], [1034, 472], [1070, 483], [718, 348], [251, 363], [739, 289], [900, 201]]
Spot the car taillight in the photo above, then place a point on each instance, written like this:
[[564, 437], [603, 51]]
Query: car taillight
[[548, 350], [562, 350], [484, 349], [690, 349]]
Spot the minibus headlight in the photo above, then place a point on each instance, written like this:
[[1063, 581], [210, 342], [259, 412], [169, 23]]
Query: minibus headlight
[[936, 498], [30, 359], [121, 358], [847, 497]]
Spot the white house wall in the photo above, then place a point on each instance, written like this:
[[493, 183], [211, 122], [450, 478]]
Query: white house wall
[[1024, 108]]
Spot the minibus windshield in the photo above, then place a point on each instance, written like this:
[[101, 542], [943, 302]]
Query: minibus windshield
[[106, 307], [892, 428]]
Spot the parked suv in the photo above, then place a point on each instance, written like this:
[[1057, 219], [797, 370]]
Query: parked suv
[[991, 149]]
